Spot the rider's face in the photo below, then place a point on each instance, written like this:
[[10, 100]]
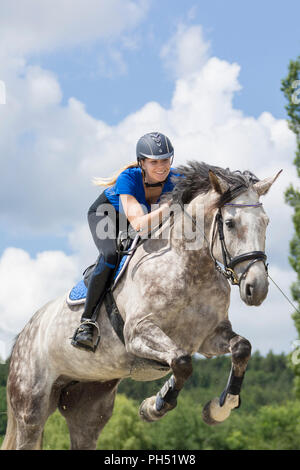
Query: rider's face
[[156, 170]]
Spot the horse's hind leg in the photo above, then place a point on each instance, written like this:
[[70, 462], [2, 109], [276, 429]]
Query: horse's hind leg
[[87, 407], [29, 388], [147, 340], [29, 408]]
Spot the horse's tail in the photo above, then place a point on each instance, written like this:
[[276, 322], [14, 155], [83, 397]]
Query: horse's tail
[[10, 438]]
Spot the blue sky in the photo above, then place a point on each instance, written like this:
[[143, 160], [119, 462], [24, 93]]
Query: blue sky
[[260, 36], [85, 80]]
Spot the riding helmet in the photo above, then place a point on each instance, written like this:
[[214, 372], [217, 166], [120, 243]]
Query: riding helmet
[[154, 145]]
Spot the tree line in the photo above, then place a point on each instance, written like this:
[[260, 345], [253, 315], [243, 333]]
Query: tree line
[[267, 419]]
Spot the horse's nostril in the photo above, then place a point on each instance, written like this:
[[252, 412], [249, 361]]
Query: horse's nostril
[[249, 289]]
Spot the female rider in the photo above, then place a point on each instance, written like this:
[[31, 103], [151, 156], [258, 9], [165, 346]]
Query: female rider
[[131, 194]]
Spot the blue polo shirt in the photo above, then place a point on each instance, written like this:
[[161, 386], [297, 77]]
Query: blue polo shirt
[[130, 181]]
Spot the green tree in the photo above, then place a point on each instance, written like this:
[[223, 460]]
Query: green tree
[[56, 434], [125, 430], [3, 378], [3, 416], [276, 428], [267, 419], [182, 428], [290, 87]]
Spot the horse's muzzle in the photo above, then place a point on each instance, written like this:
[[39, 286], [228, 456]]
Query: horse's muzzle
[[254, 287]]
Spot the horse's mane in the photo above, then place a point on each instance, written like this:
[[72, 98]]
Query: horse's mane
[[194, 180]]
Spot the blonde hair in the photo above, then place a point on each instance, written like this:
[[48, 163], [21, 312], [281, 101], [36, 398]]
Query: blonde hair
[[112, 180]]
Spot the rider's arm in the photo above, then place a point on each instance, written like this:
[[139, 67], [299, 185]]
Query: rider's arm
[[138, 219]]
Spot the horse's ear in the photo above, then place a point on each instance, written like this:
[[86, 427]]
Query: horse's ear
[[263, 186], [218, 184]]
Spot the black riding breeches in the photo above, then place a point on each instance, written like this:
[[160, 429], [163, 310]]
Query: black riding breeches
[[105, 223]]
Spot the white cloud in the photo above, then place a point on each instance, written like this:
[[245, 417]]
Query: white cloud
[[268, 326], [81, 242], [31, 26], [111, 64], [186, 52], [58, 149], [2, 92], [28, 283], [43, 89]]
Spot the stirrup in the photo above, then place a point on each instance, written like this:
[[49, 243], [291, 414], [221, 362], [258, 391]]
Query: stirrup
[[80, 345]]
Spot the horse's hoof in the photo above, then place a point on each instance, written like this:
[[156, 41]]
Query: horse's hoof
[[213, 413], [206, 415], [148, 410]]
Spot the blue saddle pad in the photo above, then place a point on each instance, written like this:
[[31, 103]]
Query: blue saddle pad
[[79, 291]]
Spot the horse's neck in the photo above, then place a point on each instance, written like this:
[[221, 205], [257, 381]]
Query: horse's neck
[[204, 219]]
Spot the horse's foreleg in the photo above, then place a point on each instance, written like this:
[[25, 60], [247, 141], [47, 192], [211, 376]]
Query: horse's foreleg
[[218, 409], [147, 340]]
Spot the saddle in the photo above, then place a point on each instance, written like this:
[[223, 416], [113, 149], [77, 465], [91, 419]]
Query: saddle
[[77, 295]]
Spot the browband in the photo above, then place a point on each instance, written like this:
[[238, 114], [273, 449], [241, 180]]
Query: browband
[[243, 205]]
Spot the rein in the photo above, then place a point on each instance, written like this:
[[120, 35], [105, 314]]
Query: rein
[[228, 270], [229, 263], [253, 255]]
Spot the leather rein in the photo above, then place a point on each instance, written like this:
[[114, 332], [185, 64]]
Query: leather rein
[[230, 263]]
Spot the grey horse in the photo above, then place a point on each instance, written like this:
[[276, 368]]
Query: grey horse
[[174, 302]]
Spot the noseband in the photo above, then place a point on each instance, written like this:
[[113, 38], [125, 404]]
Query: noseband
[[229, 263]]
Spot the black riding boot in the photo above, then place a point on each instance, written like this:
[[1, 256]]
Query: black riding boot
[[83, 337]]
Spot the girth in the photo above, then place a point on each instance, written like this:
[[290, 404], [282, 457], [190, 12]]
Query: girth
[[114, 315]]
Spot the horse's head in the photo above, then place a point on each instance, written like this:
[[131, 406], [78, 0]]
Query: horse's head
[[238, 235]]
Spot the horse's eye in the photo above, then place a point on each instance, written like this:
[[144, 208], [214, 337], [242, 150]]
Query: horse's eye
[[229, 223]]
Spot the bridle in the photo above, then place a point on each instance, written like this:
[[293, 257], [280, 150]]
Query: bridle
[[229, 263]]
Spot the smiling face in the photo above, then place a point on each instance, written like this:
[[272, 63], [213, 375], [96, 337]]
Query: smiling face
[[156, 171]]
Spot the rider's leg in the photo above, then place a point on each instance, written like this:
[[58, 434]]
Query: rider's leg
[[106, 244], [97, 284]]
